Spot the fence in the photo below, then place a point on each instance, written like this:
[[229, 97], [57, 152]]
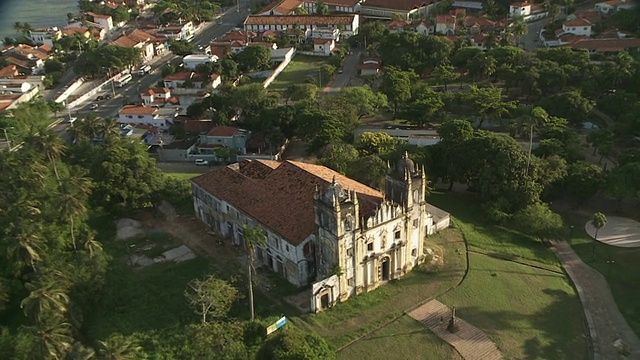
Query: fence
[[277, 71]]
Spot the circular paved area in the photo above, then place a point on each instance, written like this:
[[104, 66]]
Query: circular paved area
[[618, 231]]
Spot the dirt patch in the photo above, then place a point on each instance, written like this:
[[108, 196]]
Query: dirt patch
[[128, 228]]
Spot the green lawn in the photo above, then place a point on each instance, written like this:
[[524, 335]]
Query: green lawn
[[299, 70], [529, 313], [621, 274], [185, 176], [360, 315], [483, 235], [404, 339]]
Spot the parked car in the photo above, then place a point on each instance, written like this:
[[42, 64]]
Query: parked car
[[201, 162], [340, 71], [94, 106], [99, 97], [107, 96]]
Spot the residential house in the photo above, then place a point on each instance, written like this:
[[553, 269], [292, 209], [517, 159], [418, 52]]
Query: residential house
[[323, 46], [446, 24], [161, 118], [190, 79], [316, 220], [220, 50], [27, 59], [395, 26], [478, 24], [334, 6], [606, 46], [190, 62], [281, 7], [577, 26], [179, 31], [157, 95], [388, 9], [237, 46], [423, 27], [9, 72], [370, 66], [223, 137], [144, 37], [347, 24], [45, 36], [611, 6], [103, 20], [140, 40], [95, 33], [528, 11], [238, 35]]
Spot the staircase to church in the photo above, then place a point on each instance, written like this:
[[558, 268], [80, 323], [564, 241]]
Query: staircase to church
[[468, 340]]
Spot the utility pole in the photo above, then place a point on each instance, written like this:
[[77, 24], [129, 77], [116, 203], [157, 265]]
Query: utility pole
[[238, 5], [113, 87], [6, 137]]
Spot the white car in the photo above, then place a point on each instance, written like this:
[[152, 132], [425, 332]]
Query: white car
[[201, 162], [94, 106]]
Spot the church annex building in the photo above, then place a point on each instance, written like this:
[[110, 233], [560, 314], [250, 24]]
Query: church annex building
[[322, 228]]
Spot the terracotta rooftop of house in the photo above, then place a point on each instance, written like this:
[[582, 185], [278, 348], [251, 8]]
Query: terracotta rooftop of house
[[280, 195], [141, 36], [322, 41], [198, 126], [124, 41], [348, 3], [136, 110], [521, 4], [224, 131], [606, 45], [299, 20], [97, 16], [156, 90], [445, 19], [8, 71], [283, 7], [398, 24], [219, 50], [267, 44], [404, 5], [238, 35], [590, 14], [470, 21], [73, 30], [577, 22], [183, 76]]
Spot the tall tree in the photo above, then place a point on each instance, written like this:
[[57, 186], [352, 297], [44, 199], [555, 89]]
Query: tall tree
[[599, 220], [396, 84], [53, 338], [445, 74], [211, 297], [119, 347], [73, 197], [366, 100], [46, 298], [532, 120], [49, 144], [25, 245], [253, 236]]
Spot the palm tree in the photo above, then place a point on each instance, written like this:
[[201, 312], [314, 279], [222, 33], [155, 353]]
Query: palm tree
[[25, 246], [51, 145], [252, 236], [81, 352], [27, 29], [75, 192], [92, 245], [45, 298], [531, 120], [109, 128], [119, 347], [17, 26], [518, 28], [54, 337]]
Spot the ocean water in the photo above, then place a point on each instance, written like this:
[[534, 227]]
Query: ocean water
[[38, 13]]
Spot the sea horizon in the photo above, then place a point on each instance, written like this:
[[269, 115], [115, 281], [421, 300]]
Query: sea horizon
[[38, 13]]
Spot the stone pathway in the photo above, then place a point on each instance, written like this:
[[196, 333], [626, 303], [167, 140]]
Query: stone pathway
[[618, 231], [469, 341], [611, 336]]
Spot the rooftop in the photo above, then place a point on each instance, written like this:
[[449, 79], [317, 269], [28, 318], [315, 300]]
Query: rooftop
[[280, 195], [137, 110], [300, 20], [404, 5], [283, 7], [577, 22], [223, 131]]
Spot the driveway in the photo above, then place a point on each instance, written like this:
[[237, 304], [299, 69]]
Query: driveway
[[349, 70], [531, 40]]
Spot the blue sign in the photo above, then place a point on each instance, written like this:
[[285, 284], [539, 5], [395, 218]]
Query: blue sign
[[277, 325]]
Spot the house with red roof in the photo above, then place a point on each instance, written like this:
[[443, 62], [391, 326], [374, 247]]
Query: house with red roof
[[527, 10], [323, 47], [281, 7], [388, 9], [316, 220], [161, 118], [577, 26]]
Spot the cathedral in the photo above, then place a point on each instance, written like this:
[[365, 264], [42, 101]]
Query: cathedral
[[322, 228]]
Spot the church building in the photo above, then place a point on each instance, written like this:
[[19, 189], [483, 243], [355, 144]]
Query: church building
[[322, 228]]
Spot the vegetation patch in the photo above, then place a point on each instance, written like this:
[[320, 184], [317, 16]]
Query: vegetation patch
[[301, 69]]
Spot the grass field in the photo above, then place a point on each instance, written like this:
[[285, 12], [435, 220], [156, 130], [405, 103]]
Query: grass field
[[621, 274], [529, 313], [364, 313], [299, 70], [185, 176], [404, 339]]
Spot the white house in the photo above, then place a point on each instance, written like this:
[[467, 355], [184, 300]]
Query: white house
[[183, 31], [316, 220], [323, 46], [192, 61], [45, 36], [190, 79], [101, 19], [370, 66], [347, 23], [446, 24], [528, 11], [161, 118], [334, 6], [140, 40], [155, 95], [577, 26], [612, 6]]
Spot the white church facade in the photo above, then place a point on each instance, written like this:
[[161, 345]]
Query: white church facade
[[322, 228]]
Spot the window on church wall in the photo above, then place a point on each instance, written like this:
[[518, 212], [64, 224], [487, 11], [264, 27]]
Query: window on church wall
[[414, 252], [350, 251], [370, 246], [350, 282], [397, 235]]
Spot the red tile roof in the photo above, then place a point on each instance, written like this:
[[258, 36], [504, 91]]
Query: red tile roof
[[445, 19], [8, 71], [238, 35], [124, 41], [606, 45], [136, 110], [405, 5], [284, 7], [219, 50], [280, 195], [577, 22], [184, 76], [198, 125], [299, 19], [322, 41], [226, 131], [348, 3], [141, 36]]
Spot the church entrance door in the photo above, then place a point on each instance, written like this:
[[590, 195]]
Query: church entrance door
[[385, 269], [324, 301]]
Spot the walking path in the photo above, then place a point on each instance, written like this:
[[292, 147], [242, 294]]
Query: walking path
[[468, 340], [611, 336]]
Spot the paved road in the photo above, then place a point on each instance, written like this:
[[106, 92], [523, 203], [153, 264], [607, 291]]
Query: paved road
[[349, 70], [531, 40], [606, 325]]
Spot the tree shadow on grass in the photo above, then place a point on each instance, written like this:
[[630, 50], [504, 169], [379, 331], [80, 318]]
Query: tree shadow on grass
[[560, 327]]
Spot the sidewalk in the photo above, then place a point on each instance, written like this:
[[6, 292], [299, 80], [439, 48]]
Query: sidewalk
[[606, 325]]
